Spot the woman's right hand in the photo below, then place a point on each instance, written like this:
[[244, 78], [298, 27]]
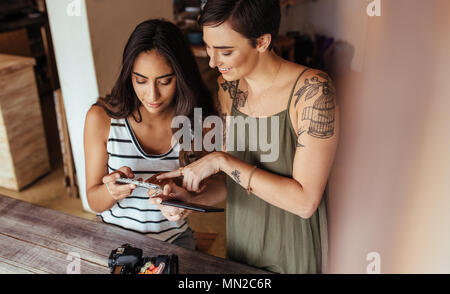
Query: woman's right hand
[[116, 190]]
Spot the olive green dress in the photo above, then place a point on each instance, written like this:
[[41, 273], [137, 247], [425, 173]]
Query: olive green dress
[[265, 236]]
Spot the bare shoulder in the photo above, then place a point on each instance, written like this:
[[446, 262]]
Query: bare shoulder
[[313, 73], [98, 116], [97, 122], [312, 85]]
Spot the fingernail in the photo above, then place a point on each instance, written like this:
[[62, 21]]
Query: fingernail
[[132, 186]]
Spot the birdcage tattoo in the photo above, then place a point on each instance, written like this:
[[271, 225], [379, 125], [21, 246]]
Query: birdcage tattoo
[[321, 115]]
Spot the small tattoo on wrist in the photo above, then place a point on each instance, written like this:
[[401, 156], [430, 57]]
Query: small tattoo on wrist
[[236, 176]]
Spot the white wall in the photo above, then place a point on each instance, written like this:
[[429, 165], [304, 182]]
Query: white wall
[[110, 24], [77, 74]]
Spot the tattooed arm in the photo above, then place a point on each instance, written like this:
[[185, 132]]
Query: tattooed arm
[[317, 125]]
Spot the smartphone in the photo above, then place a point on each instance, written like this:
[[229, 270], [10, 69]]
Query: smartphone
[[139, 183], [174, 203], [192, 206]]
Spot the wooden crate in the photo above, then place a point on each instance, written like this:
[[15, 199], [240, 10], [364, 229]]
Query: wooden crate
[[23, 148]]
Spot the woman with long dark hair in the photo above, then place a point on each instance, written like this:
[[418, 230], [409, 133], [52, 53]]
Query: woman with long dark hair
[[276, 209], [128, 133]]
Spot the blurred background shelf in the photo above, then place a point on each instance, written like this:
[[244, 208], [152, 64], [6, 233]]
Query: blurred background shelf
[[24, 31]]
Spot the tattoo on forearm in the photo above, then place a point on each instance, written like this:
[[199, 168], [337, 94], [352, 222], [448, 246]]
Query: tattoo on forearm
[[321, 114], [236, 176], [238, 96]]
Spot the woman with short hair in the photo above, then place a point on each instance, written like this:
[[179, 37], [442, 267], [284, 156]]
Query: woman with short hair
[[276, 210]]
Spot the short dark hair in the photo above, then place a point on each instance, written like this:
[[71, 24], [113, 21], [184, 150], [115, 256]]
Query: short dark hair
[[250, 18], [169, 41]]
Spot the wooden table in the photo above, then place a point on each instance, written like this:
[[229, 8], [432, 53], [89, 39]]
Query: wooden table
[[34, 239]]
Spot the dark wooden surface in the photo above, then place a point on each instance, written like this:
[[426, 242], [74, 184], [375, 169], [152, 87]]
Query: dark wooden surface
[[34, 239]]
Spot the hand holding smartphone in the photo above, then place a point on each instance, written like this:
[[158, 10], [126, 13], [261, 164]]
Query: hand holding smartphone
[[175, 203]]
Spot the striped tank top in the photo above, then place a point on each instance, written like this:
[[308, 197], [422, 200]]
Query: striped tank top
[[135, 212]]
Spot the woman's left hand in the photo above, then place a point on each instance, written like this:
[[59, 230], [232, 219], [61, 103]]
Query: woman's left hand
[[173, 214], [194, 173], [170, 191]]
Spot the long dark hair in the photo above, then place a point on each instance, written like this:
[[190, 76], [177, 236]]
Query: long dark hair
[[170, 42]]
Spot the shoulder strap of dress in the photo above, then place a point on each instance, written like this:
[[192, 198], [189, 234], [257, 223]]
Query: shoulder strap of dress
[[295, 85]]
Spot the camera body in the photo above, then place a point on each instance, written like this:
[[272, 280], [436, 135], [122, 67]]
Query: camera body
[[128, 260], [124, 259]]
